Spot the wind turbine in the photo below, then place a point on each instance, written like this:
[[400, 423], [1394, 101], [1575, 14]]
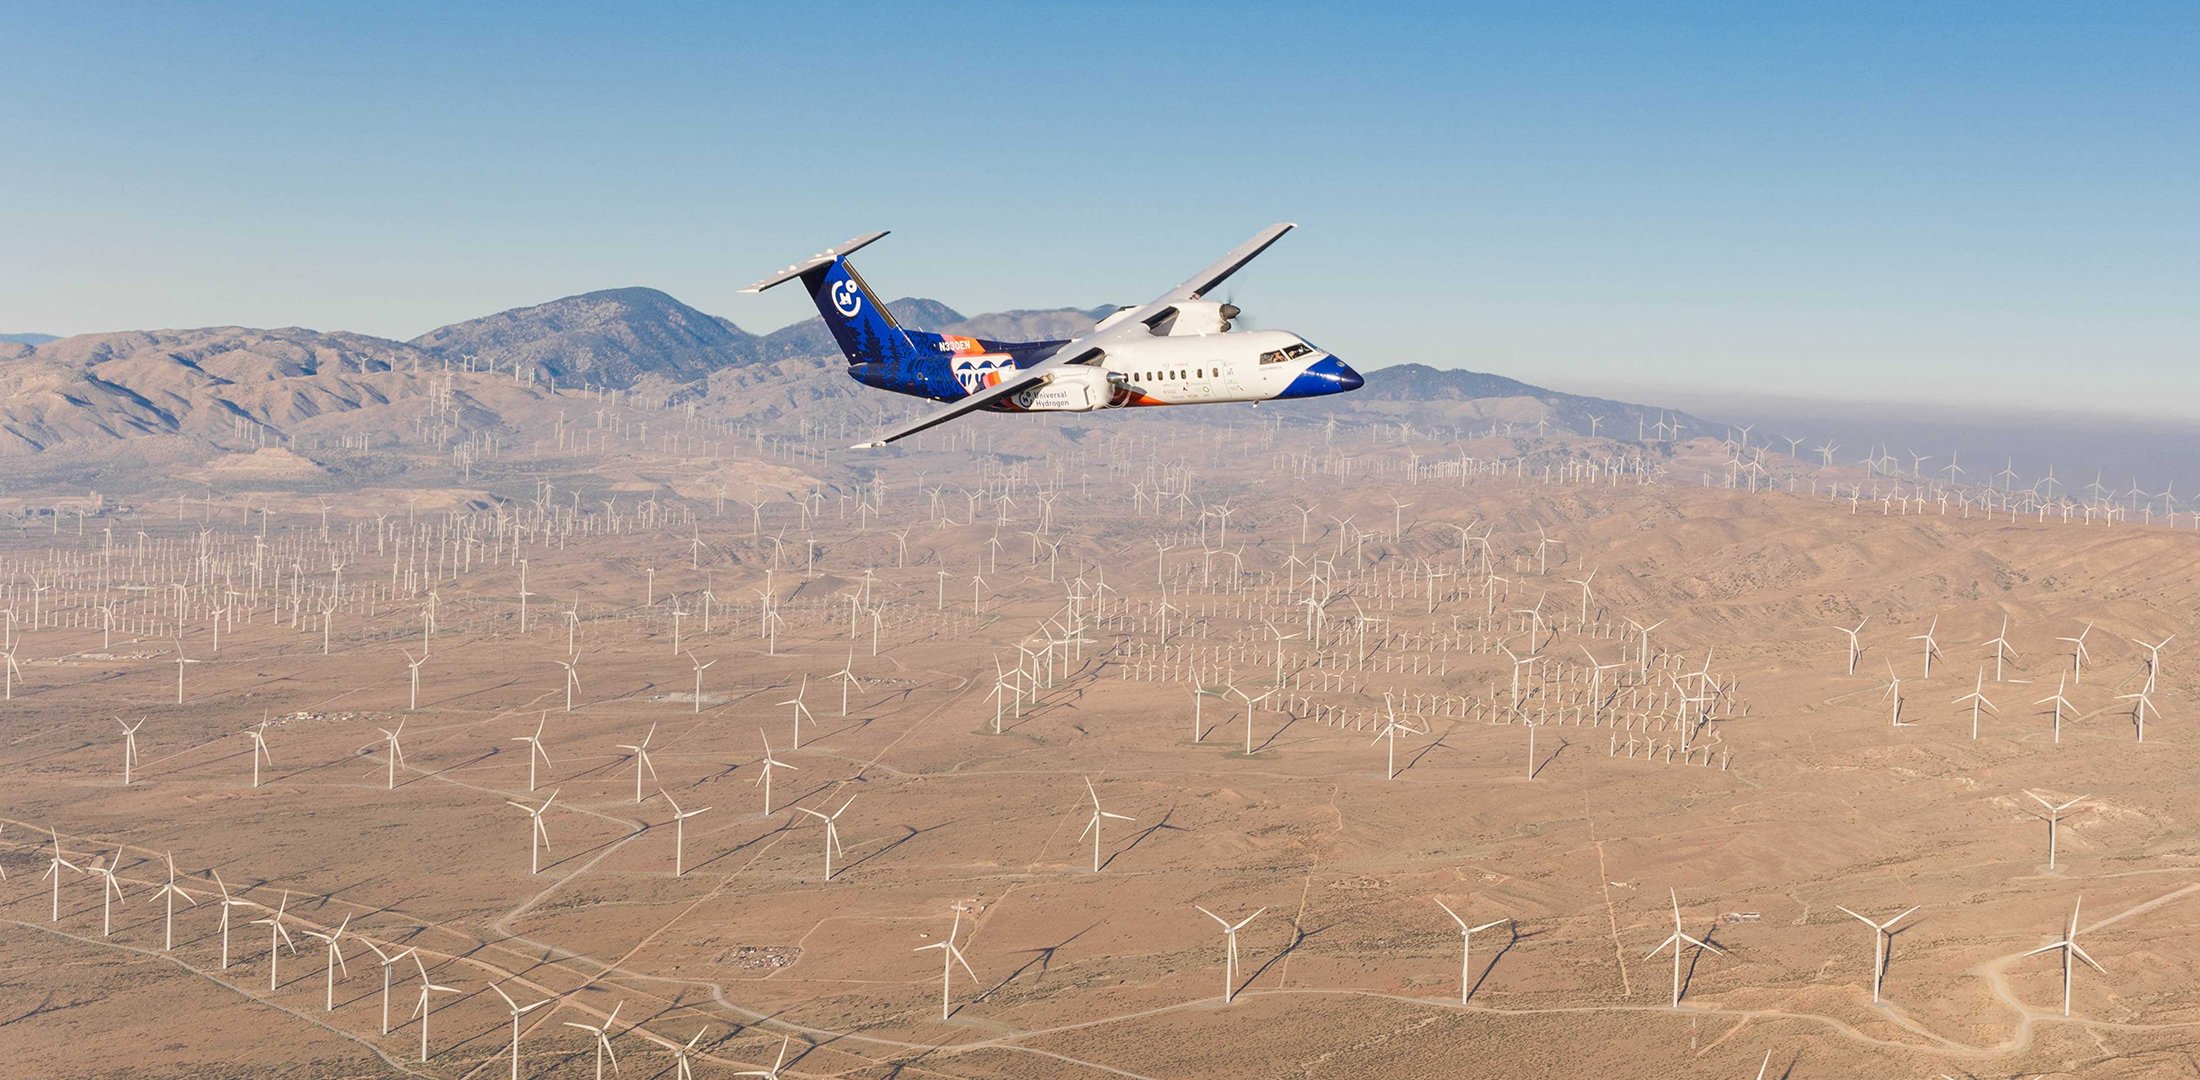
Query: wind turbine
[[603, 1039], [1679, 941], [2060, 702], [422, 1010], [277, 936], [1932, 647], [1250, 702], [641, 761], [2002, 649], [1230, 957], [54, 867], [535, 752], [778, 1062], [572, 678], [228, 903], [682, 1070], [1092, 825], [396, 754], [950, 955], [110, 892], [1977, 699], [699, 666], [335, 959], [387, 959], [1882, 935], [129, 747], [847, 676], [1391, 728], [2078, 655], [2054, 817], [679, 830], [1856, 648], [169, 892], [518, 1010], [539, 838], [832, 832], [260, 752], [802, 710], [1466, 941], [2069, 947], [764, 776]]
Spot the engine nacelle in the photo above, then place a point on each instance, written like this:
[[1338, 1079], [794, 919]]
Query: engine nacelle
[[1072, 389], [1189, 317]]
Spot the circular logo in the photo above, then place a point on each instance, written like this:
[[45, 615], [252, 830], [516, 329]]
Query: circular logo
[[847, 299]]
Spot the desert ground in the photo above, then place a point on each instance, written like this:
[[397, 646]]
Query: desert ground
[[1330, 677]]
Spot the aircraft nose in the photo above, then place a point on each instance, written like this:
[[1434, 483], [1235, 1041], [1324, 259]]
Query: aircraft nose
[[1347, 379], [1327, 375]]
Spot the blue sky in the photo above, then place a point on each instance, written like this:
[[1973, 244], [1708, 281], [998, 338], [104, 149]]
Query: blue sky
[[1993, 204]]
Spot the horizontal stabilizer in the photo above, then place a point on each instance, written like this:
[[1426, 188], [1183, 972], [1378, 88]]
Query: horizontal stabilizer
[[814, 261]]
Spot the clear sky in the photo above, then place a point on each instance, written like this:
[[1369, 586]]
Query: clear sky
[[1998, 203]]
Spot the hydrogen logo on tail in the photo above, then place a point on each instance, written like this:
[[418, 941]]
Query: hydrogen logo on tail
[[846, 298]]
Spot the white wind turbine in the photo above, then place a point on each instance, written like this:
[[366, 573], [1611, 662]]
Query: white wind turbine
[[603, 1039], [2002, 649], [699, 666], [422, 1009], [679, 831], [950, 955], [1230, 955], [110, 892], [768, 763], [641, 761], [847, 677], [1679, 941], [681, 1069], [832, 832], [169, 892], [1466, 942], [538, 839], [129, 748], [412, 664], [395, 754], [1250, 704], [2060, 702], [572, 678], [535, 752], [1092, 825], [1977, 700], [1856, 647], [260, 752], [1392, 727], [387, 959], [1932, 647], [334, 938], [230, 903], [277, 936], [518, 1010], [1882, 934], [54, 866], [777, 1063], [2069, 947], [2054, 817], [2078, 655], [802, 710], [2142, 703]]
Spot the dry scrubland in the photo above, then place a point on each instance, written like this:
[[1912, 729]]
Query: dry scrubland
[[1798, 795]]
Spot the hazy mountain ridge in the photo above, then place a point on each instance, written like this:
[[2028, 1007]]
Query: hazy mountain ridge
[[227, 387]]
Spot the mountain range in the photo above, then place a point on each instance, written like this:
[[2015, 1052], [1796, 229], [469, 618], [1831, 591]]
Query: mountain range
[[232, 385]]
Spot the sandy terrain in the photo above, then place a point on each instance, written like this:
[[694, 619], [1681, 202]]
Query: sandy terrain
[[1798, 793]]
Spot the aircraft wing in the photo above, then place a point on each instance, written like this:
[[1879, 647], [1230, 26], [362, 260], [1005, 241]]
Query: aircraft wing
[[1200, 284], [1023, 379]]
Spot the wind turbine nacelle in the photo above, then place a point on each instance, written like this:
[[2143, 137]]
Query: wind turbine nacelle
[[1072, 389]]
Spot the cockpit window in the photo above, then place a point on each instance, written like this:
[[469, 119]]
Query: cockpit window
[[1288, 352]]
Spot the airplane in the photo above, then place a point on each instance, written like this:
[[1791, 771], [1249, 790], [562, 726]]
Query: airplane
[[1175, 350]]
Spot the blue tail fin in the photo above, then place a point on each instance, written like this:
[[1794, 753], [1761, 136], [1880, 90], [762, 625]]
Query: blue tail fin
[[861, 325]]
